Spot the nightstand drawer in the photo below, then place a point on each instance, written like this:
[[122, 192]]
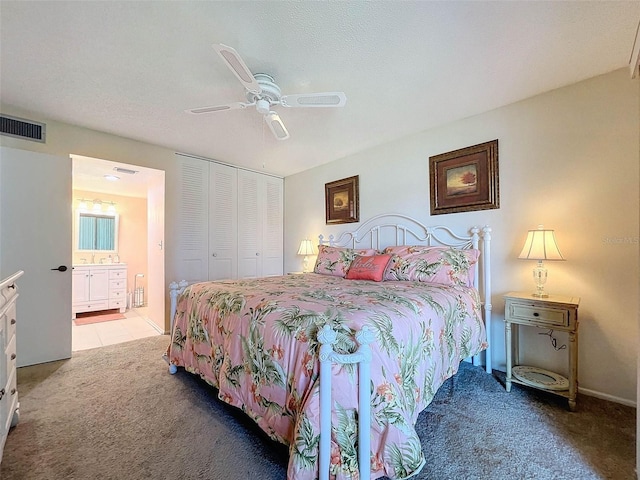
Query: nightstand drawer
[[539, 315]]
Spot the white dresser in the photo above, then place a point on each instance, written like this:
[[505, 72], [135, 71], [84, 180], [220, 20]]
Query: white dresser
[[99, 287], [9, 405]]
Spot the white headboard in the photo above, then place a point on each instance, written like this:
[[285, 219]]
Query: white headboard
[[396, 229]]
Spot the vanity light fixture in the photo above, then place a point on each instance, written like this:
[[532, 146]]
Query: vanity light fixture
[[96, 205]]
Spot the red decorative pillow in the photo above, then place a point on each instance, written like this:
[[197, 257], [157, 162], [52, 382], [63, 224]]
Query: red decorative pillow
[[368, 268]]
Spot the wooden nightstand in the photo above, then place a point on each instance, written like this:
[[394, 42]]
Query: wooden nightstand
[[554, 312]]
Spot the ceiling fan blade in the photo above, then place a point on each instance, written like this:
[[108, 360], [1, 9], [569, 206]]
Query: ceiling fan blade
[[276, 126], [238, 67], [220, 108], [326, 99]]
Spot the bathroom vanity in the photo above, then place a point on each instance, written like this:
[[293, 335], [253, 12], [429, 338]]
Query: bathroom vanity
[[99, 287]]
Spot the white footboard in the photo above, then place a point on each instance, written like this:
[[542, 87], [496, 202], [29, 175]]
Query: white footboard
[[327, 337], [175, 289]]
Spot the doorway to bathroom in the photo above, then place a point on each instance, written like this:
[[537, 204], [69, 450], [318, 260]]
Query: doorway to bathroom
[[117, 252]]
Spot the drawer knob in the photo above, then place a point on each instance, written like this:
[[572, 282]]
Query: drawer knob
[[1, 393], [13, 391], [536, 314], [13, 321], [13, 356]]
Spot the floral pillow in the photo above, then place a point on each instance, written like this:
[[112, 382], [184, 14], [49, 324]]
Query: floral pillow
[[368, 267], [336, 260], [447, 265]]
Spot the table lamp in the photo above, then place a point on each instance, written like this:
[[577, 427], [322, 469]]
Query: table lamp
[[306, 249], [540, 245]]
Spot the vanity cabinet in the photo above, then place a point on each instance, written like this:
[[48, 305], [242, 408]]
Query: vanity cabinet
[[99, 287], [9, 405]]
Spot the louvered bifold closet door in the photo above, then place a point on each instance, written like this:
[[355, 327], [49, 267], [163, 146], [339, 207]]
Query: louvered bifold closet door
[[273, 226], [249, 225], [260, 225], [223, 222], [192, 259]]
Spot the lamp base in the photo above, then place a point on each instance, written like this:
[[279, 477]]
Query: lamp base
[[540, 277]]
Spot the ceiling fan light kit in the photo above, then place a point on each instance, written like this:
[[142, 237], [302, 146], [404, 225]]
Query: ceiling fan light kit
[[263, 93]]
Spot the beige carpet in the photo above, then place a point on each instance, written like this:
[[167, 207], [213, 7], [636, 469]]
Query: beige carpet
[[115, 413]]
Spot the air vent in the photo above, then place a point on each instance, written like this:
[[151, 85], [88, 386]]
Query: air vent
[[21, 128], [125, 170]]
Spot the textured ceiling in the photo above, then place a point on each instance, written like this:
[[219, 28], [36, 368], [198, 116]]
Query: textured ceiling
[[132, 68]]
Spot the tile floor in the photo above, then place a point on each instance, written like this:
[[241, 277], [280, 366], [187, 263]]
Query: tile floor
[[135, 325]]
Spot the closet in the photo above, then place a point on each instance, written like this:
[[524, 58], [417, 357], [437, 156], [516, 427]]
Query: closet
[[231, 222]]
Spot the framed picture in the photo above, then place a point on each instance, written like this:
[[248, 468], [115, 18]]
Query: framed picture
[[465, 180], [342, 200]]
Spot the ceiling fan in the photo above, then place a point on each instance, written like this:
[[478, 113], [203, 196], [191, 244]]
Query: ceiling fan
[[263, 93]]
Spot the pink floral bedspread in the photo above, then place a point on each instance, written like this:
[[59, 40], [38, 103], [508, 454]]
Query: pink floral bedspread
[[255, 341]]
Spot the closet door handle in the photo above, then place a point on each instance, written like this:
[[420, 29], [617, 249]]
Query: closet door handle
[[61, 268]]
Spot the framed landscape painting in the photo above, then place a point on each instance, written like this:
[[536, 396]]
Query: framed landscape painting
[[342, 201], [465, 180]]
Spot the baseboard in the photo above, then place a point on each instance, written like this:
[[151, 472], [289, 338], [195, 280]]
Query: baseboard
[[597, 394], [156, 327], [606, 396]]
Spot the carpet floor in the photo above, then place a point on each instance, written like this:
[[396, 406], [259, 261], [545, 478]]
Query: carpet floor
[[116, 413]]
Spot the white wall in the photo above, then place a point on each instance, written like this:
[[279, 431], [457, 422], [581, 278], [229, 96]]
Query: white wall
[[568, 159]]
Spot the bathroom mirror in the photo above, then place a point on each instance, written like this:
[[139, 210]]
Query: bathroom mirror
[[96, 232]]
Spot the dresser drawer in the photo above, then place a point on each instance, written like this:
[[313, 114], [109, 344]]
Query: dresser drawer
[[544, 316], [118, 274], [8, 318], [10, 399], [10, 321], [10, 353]]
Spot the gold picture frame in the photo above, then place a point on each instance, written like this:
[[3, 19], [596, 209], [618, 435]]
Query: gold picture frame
[[342, 201], [465, 180]]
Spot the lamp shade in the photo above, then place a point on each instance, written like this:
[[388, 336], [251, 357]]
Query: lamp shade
[[540, 245], [306, 248]]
